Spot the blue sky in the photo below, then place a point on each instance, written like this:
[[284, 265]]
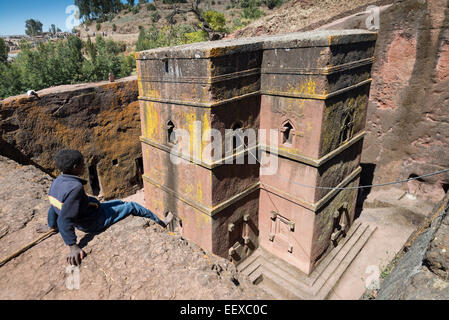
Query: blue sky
[[14, 13]]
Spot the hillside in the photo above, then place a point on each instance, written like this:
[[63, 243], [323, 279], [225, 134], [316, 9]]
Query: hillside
[[303, 15], [129, 22]]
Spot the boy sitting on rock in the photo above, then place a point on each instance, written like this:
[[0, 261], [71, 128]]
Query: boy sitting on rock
[[71, 208]]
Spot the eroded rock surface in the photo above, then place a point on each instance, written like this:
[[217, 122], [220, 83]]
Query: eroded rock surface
[[422, 269], [99, 119], [134, 259]]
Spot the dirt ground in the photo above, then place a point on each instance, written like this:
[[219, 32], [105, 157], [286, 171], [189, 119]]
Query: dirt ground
[[134, 259], [303, 15]]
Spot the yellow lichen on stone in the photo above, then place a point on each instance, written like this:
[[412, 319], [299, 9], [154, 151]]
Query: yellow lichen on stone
[[190, 118], [199, 192], [188, 188], [205, 128], [152, 122]]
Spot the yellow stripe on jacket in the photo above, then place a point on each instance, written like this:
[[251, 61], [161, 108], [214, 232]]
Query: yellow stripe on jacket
[[55, 202]]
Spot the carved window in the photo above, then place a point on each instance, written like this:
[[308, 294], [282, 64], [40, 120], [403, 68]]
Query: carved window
[[165, 60], [347, 128], [237, 136], [94, 180], [287, 133], [171, 134], [139, 171]]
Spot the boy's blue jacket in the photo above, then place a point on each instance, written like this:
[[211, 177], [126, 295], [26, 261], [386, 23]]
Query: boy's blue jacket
[[71, 207]]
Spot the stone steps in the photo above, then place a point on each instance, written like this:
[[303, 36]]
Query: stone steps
[[284, 281]]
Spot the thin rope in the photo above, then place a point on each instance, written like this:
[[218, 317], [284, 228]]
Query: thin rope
[[347, 188]]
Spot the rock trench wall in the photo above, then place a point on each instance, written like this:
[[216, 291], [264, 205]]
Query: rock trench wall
[[422, 268], [407, 122], [101, 120]]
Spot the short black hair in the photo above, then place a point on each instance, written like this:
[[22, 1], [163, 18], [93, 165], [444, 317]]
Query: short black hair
[[66, 159]]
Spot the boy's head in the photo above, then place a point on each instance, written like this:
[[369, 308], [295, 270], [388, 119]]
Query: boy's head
[[70, 161]]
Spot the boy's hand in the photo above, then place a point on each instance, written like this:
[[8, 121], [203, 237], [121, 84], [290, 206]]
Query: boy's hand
[[75, 256]]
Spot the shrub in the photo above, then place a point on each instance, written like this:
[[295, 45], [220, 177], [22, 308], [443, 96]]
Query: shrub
[[216, 20], [106, 17], [155, 16], [98, 26], [151, 7], [196, 36], [114, 27], [248, 3], [273, 3], [238, 24], [252, 13], [174, 1]]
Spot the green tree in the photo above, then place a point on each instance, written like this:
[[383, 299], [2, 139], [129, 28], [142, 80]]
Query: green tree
[[271, 4], [10, 80], [155, 16], [252, 12], [173, 1], [92, 9], [216, 20], [53, 28], [33, 27], [85, 8], [108, 59], [143, 43], [128, 64], [90, 49], [62, 62], [131, 3], [4, 49]]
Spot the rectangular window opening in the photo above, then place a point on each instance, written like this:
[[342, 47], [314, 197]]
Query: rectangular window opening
[[93, 180]]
